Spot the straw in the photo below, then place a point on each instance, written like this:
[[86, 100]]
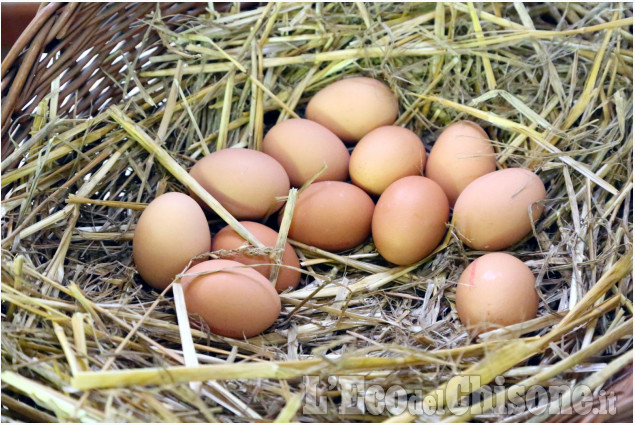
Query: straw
[[84, 339]]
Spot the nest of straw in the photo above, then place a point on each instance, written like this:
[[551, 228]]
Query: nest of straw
[[84, 339]]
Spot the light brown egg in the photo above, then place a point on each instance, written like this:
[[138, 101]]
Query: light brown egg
[[409, 220], [496, 210], [303, 147], [461, 154], [234, 301], [352, 107], [171, 230], [332, 215], [385, 155], [496, 290], [228, 239], [246, 182]]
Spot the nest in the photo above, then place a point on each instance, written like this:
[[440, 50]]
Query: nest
[[84, 339]]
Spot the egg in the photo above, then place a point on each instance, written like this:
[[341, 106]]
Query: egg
[[352, 107], [409, 220], [385, 155], [246, 182], [303, 147], [461, 154], [497, 210], [234, 301], [228, 239], [332, 215], [171, 230], [496, 290]]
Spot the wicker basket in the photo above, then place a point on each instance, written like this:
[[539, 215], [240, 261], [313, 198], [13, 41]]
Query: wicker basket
[[83, 37], [90, 42]]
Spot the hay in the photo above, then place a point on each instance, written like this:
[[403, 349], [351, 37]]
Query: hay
[[84, 339]]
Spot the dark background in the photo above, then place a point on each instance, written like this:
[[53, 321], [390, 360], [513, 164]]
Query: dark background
[[15, 17]]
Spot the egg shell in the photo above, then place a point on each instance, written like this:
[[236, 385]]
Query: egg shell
[[493, 212], [496, 290], [303, 147], [385, 155], [171, 230], [409, 220], [228, 239], [246, 182], [461, 154], [234, 301], [352, 107], [332, 215]]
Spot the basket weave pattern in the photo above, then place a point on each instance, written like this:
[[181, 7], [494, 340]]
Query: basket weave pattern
[[90, 45]]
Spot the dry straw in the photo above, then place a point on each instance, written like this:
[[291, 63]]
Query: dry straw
[[84, 340]]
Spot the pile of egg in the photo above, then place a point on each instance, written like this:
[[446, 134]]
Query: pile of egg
[[414, 192]]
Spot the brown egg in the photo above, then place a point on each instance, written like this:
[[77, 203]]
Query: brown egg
[[233, 300], [228, 239], [303, 147], [352, 107], [496, 210], [171, 230], [244, 181], [409, 220], [496, 290], [461, 154], [385, 155], [332, 215]]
